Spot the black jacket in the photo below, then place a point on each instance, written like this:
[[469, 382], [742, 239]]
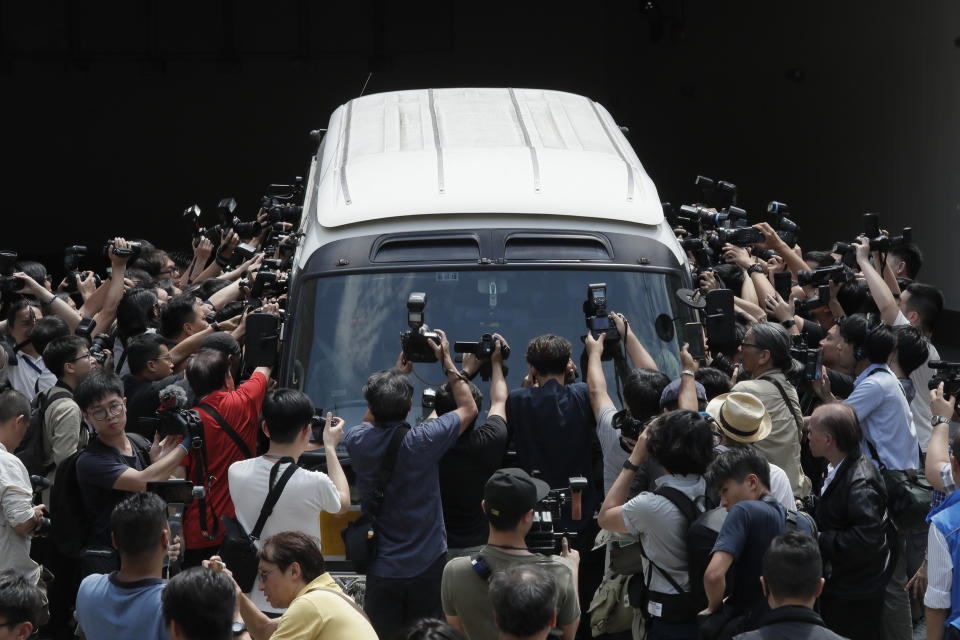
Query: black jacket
[[792, 622], [854, 530]]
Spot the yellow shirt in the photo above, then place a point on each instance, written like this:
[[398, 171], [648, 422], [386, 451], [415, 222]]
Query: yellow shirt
[[318, 614]]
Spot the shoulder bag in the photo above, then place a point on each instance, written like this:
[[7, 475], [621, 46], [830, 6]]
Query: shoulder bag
[[360, 536], [239, 548]]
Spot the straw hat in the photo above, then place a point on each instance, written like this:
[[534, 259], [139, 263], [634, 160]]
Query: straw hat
[[741, 416]]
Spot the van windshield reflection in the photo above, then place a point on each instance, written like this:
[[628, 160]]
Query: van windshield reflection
[[349, 326]]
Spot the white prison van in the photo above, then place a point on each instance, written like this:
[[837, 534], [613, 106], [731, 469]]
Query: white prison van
[[502, 205]]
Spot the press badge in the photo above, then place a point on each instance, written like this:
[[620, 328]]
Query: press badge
[[655, 609]]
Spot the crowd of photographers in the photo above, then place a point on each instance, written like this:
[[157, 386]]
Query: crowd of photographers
[[796, 479]]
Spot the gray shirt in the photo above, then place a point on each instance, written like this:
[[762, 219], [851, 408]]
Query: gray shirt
[[613, 453], [662, 528]]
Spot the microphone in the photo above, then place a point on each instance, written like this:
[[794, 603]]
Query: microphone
[[173, 397]]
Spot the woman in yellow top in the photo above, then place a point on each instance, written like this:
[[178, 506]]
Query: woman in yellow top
[[293, 576]]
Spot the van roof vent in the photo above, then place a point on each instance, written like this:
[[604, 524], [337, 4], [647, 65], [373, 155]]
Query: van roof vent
[[565, 247], [426, 249]]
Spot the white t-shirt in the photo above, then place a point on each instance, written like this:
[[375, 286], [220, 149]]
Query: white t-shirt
[[920, 405], [298, 509], [780, 488], [27, 372]]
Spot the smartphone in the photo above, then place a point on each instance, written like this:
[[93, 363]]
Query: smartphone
[[783, 283], [263, 336], [693, 332]]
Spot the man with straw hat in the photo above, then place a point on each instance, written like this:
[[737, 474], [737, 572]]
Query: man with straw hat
[[743, 421]]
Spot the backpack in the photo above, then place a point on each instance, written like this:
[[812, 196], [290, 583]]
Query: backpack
[[30, 451], [70, 530], [702, 531]]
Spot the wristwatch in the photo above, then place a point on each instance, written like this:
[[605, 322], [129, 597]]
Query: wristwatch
[[755, 268], [787, 324], [935, 420], [238, 627], [630, 466]]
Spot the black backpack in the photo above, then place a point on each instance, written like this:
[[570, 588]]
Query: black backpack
[[71, 525], [703, 527], [30, 450]]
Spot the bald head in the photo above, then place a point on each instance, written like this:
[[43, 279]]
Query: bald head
[[840, 421]]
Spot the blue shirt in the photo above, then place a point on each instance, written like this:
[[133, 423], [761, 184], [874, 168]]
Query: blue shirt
[[410, 523], [746, 533], [884, 412], [553, 428], [108, 608]]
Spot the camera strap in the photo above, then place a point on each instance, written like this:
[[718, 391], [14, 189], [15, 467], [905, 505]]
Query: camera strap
[[227, 429], [795, 410], [274, 494], [386, 469]]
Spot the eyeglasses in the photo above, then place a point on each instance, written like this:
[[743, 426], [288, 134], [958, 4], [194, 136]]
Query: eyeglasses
[[83, 355], [263, 575], [115, 409]]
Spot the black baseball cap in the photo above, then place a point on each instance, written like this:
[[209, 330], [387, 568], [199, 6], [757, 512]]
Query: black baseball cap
[[512, 492]]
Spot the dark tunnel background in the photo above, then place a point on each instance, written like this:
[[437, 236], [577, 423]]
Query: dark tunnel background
[[118, 115]]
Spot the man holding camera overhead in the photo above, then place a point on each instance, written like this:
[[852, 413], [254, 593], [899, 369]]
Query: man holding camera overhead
[[403, 581]]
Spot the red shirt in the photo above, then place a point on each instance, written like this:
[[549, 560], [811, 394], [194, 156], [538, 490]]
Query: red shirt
[[241, 410]]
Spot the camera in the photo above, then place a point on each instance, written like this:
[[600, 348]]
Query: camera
[[787, 229], [543, 536], [822, 299], [948, 373], [71, 264], [173, 421], [133, 250], [102, 342], [483, 349], [9, 283], [225, 212], [816, 277], [598, 319], [39, 483], [810, 360], [416, 342], [884, 243], [628, 426], [717, 193], [740, 236], [278, 202]]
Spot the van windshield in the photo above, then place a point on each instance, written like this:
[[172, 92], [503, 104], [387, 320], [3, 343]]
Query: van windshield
[[349, 326]]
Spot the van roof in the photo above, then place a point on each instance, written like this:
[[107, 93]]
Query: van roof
[[450, 151]]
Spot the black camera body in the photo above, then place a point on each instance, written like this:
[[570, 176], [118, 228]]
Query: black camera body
[[949, 374], [9, 283], [597, 319], [740, 236], [415, 343], [810, 360], [102, 342], [484, 349], [38, 484], [172, 421], [132, 251], [823, 275], [822, 299]]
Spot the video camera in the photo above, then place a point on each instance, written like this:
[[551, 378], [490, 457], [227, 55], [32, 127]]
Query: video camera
[[71, 264], [415, 343], [484, 349], [597, 319], [278, 202], [543, 536], [174, 419], [810, 360], [949, 374], [132, 251], [9, 283]]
